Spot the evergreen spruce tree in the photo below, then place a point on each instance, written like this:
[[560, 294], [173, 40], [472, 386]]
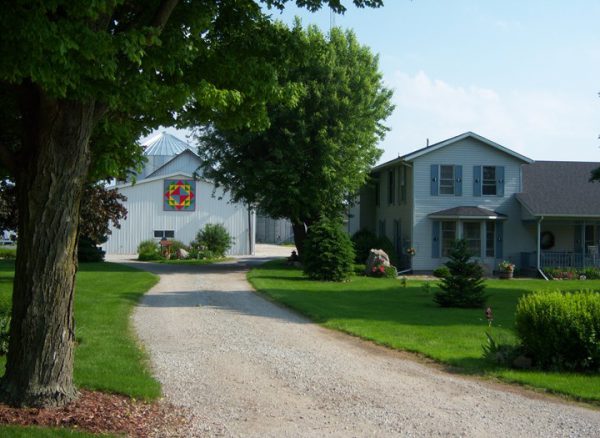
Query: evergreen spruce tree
[[464, 287]]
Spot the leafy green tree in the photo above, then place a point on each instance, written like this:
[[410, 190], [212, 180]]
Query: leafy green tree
[[79, 82], [319, 147], [464, 285], [328, 252]]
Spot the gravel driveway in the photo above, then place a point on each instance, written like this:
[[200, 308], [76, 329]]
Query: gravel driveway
[[247, 367]]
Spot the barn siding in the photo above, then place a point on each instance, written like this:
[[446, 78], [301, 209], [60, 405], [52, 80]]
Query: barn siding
[[145, 214]]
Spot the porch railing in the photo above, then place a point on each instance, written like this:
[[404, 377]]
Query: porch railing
[[560, 259]]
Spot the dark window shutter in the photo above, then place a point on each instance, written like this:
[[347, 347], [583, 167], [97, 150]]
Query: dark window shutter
[[476, 180], [435, 172], [435, 239], [499, 239], [500, 180], [457, 180]]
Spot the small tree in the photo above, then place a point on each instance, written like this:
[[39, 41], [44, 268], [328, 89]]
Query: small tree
[[328, 252], [463, 286], [214, 238]]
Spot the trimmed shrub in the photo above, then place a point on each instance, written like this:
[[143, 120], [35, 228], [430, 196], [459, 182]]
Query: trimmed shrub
[[441, 271], [463, 286], [149, 250], [364, 241], [328, 252], [560, 330], [214, 238], [88, 251]]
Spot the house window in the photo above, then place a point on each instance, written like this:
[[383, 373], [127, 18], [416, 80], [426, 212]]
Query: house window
[[402, 184], [488, 183], [490, 239], [472, 235], [448, 237], [391, 187], [446, 180], [164, 234], [377, 194]]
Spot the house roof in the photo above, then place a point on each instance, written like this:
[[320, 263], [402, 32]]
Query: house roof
[[155, 178], [467, 212], [560, 188], [165, 144], [436, 146], [157, 170]]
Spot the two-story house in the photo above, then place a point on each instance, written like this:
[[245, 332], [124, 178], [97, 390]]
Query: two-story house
[[499, 201]]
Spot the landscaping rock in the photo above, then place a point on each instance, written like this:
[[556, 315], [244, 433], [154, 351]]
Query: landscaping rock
[[376, 257]]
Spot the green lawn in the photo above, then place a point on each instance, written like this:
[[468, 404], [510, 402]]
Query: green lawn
[[44, 432], [107, 356], [383, 311]]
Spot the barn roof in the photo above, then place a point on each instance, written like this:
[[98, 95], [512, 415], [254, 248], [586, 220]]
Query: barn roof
[[166, 144]]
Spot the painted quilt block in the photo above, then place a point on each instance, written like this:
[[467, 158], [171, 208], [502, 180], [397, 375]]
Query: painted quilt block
[[179, 195]]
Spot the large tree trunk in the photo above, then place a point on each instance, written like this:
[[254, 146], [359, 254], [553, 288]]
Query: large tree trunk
[[50, 179], [299, 230]]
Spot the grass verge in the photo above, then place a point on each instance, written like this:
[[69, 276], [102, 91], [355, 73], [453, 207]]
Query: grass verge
[[406, 318], [107, 355]]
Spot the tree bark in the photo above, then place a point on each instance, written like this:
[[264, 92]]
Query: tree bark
[[299, 236], [51, 173]]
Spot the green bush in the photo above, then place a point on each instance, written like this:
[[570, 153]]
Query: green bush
[[560, 330], [149, 250], [364, 240], [590, 273], [88, 251], [463, 286], [441, 271], [328, 253], [176, 245], [214, 238], [4, 333]]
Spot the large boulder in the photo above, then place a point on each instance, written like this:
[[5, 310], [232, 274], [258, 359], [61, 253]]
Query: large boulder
[[377, 257]]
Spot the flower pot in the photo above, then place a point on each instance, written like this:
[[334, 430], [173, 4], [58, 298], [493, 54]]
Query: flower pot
[[506, 275]]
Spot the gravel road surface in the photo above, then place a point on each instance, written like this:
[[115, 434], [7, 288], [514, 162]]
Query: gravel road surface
[[246, 367]]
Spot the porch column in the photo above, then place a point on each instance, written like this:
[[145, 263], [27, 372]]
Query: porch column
[[539, 243]]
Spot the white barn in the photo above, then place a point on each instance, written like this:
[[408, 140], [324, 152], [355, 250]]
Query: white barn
[[168, 200]]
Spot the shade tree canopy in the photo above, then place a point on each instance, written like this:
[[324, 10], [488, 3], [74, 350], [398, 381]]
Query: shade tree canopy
[[80, 81], [319, 147]]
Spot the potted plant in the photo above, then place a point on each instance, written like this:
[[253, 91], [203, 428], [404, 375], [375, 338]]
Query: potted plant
[[507, 269]]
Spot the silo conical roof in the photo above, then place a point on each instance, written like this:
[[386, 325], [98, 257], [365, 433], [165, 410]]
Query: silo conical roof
[[166, 144]]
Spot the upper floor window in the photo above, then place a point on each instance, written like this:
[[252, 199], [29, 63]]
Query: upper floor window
[[446, 180], [391, 186], [489, 181]]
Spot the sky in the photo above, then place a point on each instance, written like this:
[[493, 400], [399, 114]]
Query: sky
[[525, 74]]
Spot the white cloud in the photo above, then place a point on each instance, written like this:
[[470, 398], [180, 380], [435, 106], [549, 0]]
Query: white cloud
[[537, 123]]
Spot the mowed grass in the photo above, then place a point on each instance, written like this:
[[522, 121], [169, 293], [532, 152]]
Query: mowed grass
[[406, 318], [43, 432], [107, 355]]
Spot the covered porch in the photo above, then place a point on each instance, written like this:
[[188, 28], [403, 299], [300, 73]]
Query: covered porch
[[563, 243]]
